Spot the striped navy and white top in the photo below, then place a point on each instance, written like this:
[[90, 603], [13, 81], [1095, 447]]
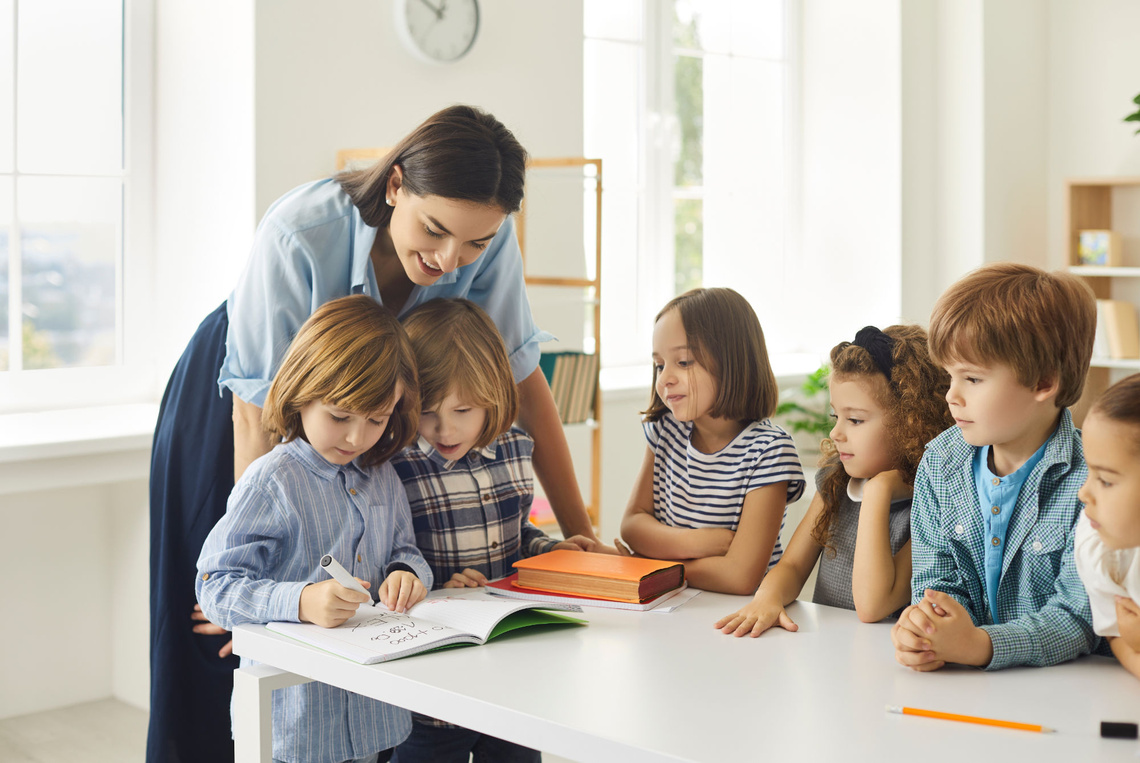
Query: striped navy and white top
[[289, 509], [699, 490]]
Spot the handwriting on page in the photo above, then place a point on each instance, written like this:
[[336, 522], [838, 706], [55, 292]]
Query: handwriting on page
[[395, 629]]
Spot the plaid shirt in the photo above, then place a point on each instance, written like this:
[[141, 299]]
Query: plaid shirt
[[472, 513], [1043, 609]]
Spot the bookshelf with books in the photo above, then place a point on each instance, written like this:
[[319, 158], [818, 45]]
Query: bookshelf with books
[[1103, 226], [565, 293]]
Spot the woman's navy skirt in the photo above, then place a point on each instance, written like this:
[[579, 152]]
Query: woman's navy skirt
[[191, 476]]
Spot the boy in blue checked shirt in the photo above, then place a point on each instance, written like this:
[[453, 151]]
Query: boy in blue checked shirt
[[995, 499], [470, 486]]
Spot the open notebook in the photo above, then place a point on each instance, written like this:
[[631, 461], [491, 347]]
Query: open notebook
[[376, 634]]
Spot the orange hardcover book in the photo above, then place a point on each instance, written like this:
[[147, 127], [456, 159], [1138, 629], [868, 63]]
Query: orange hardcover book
[[599, 576]]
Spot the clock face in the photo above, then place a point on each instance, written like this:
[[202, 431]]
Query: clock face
[[440, 31]]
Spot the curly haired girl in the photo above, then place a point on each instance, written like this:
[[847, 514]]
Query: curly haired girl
[[888, 399]]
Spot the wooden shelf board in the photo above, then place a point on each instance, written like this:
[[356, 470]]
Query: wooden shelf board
[[1094, 271], [1132, 363]]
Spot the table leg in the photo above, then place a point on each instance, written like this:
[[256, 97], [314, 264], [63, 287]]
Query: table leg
[[253, 710]]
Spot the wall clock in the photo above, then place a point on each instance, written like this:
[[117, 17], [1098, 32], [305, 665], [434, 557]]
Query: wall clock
[[438, 31]]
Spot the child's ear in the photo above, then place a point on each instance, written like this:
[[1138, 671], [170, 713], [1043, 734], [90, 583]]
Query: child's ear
[[1047, 388]]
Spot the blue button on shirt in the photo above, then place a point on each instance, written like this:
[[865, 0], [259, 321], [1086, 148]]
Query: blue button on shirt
[[997, 497], [312, 247]]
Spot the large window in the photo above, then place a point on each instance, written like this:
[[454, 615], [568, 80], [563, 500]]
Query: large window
[[687, 103], [69, 189]]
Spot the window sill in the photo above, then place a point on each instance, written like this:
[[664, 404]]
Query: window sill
[[82, 446]]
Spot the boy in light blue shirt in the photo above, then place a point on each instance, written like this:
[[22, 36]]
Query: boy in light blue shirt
[[995, 498]]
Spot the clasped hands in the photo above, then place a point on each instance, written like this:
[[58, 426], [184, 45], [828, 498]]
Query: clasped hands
[[936, 631]]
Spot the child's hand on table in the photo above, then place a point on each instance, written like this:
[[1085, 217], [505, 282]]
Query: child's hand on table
[[401, 590], [469, 578], [328, 603], [939, 630], [755, 617]]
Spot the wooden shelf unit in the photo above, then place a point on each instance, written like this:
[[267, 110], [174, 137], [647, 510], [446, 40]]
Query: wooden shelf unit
[[593, 506], [1088, 204]]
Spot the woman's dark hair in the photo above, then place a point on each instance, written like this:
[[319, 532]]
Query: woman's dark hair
[[459, 153]]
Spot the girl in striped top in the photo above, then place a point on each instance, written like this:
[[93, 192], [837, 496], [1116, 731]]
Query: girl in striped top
[[718, 474]]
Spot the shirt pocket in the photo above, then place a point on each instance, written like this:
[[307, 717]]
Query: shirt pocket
[[1042, 552]]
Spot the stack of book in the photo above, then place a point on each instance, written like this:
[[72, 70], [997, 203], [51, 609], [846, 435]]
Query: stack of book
[[581, 577], [573, 378]]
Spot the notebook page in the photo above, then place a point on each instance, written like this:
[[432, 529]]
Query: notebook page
[[467, 614]]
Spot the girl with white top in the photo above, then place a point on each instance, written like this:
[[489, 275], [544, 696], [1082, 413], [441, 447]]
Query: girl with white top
[[718, 474], [1107, 543], [888, 401]]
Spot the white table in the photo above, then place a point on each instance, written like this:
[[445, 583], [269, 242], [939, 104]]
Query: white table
[[644, 686]]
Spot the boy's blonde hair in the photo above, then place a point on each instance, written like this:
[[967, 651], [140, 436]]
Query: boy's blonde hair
[[351, 353], [457, 346], [725, 337], [1039, 324]]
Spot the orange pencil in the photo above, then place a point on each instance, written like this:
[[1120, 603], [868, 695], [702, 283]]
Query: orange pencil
[[969, 719]]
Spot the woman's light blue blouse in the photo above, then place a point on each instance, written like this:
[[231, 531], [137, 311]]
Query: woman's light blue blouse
[[312, 247]]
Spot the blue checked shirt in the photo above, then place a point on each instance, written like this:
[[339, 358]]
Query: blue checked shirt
[[1043, 610], [472, 512], [289, 509]]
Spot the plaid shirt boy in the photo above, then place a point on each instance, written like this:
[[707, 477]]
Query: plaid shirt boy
[[1043, 609], [472, 513]]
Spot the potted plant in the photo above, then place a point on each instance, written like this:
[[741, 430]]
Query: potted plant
[[1135, 117], [805, 410]]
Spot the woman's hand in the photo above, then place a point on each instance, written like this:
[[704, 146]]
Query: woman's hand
[[207, 628]]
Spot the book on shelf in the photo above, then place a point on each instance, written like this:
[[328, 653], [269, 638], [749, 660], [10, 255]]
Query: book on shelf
[[599, 576], [573, 379], [377, 634], [1118, 330], [508, 587], [1098, 247]]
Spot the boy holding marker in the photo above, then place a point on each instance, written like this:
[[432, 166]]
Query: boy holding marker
[[995, 499]]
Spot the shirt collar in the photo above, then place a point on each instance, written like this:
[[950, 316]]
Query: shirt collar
[[363, 236], [315, 462], [855, 487], [487, 452]]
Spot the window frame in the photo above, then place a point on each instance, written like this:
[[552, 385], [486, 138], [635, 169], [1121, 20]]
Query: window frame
[[627, 347], [133, 376]]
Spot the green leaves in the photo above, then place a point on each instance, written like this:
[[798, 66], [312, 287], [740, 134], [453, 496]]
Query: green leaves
[[807, 410], [1134, 117]]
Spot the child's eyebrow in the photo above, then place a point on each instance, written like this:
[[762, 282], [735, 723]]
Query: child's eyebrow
[[1102, 468], [853, 410]]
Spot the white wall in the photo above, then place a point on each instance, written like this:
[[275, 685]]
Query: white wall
[[333, 75], [1093, 69], [850, 143]]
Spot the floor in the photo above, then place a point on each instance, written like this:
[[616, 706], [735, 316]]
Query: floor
[[106, 731]]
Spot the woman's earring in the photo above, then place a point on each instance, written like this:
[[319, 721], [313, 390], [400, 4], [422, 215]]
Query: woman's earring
[[390, 202]]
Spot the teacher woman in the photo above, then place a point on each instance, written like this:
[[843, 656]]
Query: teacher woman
[[430, 220]]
